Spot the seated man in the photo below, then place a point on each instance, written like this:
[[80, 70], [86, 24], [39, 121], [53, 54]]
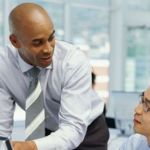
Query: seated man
[[140, 140]]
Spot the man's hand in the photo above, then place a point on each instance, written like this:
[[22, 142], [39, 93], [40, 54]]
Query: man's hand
[[21, 145]]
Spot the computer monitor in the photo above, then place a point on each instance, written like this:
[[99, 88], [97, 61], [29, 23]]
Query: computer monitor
[[121, 106]]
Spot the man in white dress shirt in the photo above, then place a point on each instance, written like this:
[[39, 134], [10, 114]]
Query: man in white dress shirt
[[74, 118], [140, 140]]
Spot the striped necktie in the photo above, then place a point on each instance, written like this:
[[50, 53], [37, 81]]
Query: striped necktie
[[35, 114]]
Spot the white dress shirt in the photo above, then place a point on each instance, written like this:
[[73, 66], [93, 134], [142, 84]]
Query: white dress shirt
[[135, 142], [70, 103]]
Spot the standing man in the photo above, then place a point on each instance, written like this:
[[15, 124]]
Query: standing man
[[72, 111]]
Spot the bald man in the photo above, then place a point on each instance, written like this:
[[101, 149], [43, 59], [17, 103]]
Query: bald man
[[73, 111]]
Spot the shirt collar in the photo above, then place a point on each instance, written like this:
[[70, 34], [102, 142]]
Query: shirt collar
[[25, 66]]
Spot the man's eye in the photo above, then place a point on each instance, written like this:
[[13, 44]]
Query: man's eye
[[37, 43]]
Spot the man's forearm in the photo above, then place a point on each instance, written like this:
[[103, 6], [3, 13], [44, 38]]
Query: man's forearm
[[21, 145]]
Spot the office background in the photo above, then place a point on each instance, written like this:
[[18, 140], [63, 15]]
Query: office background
[[115, 34]]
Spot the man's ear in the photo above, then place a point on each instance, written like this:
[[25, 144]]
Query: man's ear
[[14, 41]]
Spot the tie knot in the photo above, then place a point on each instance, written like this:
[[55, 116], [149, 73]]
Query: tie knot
[[33, 72]]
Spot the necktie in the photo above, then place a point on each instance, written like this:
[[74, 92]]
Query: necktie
[[35, 115]]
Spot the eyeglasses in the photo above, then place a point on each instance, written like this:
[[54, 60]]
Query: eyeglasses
[[145, 103]]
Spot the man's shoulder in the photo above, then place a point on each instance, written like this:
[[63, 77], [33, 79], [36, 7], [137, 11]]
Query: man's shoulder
[[70, 55], [65, 44], [64, 48], [69, 50], [135, 142], [137, 137], [7, 51], [8, 58]]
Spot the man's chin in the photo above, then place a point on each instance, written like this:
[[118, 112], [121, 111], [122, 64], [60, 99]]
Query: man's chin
[[137, 130], [44, 65]]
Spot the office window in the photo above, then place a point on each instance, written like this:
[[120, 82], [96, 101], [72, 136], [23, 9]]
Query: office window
[[138, 59], [90, 31], [137, 46], [140, 5], [99, 3]]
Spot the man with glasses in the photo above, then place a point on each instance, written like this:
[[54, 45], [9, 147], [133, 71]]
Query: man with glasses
[[141, 139]]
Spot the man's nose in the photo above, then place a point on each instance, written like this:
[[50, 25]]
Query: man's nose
[[48, 47], [139, 108]]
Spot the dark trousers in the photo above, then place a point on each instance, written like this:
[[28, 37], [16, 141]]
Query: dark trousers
[[96, 137]]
